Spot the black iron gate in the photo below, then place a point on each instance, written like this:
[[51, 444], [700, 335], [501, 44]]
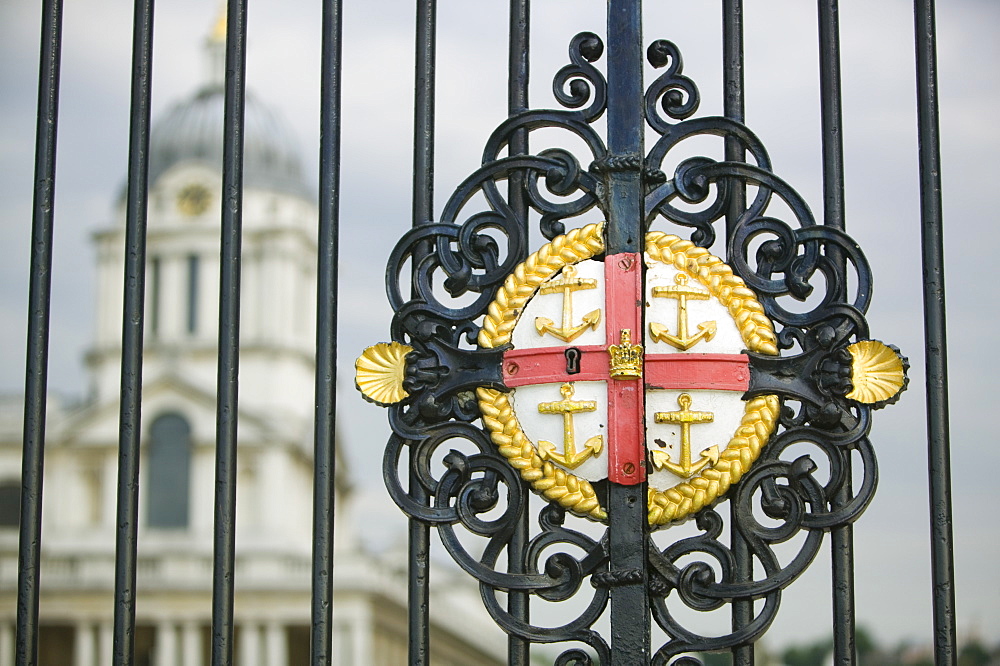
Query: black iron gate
[[453, 374]]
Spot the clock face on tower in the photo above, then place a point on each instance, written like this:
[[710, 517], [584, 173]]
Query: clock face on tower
[[193, 199]]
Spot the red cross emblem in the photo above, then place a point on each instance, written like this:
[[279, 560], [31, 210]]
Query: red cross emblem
[[624, 367], [628, 369], [567, 363]]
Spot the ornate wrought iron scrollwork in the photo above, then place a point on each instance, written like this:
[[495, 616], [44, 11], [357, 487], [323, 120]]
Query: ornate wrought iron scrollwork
[[453, 268], [777, 260], [472, 253]]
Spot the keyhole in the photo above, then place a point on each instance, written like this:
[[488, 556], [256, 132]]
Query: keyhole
[[572, 361]]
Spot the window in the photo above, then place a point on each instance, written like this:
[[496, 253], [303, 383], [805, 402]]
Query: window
[[154, 296], [192, 309], [10, 504], [169, 471]]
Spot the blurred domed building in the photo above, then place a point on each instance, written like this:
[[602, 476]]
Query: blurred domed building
[[274, 489]]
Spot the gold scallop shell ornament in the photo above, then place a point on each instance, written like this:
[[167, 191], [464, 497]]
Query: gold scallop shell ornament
[[379, 373], [878, 373]]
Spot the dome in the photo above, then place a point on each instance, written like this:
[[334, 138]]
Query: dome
[[191, 131]]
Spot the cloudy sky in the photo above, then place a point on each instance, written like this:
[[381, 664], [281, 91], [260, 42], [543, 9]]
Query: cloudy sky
[[782, 108]]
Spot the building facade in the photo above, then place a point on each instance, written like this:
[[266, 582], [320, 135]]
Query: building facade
[[177, 470]]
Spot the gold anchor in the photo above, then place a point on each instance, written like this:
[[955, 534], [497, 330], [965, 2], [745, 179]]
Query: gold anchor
[[685, 417], [682, 292], [567, 285], [569, 457]]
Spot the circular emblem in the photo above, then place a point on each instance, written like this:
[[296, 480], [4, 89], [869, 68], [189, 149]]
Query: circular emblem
[[627, 374]]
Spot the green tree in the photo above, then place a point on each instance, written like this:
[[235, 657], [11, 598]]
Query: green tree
[[811, 654], [716, 658], [866, 648], [973, 653]]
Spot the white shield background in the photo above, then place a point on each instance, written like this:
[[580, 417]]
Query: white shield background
[[726, 406]]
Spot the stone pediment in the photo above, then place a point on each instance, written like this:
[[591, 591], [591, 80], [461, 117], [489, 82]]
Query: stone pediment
[[97, 424]]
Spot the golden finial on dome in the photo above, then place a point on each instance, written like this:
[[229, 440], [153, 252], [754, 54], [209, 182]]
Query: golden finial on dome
[[215, 49], [218, 33], [379, 372]]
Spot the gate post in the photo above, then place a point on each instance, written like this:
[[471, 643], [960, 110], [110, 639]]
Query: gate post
[[472, 384], [627, 501]]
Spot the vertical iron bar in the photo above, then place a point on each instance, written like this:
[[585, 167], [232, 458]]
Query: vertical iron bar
[[734, 109], [229, 336], [625, 124], [628, 532], [37, 362], [518, 649], [325, 459], [733, 100], [830, 107], [841, 538], [423, 113], [133, 318], [418, 597], [935, 334]]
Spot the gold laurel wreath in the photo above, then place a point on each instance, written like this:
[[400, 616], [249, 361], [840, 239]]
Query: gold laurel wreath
[[554, 483], [570, 491], [759, 415]]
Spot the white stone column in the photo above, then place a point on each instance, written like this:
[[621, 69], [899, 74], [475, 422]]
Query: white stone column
[[249, 644], [364, 637], [166, 644], [106, 641], [6, 643], [83, 648], [276, 642], [191, 644], [109, 511]]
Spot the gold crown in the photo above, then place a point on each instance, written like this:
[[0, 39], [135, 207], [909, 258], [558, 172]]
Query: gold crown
[[626, 358]]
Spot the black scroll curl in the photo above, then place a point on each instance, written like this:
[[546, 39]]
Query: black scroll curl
[[677, 95], [580, 82], [574, 657], [667, 578], [564, 573], [421, 456], [440, 278], [443, 275], [556, 186], [795, 501], [692, 185]]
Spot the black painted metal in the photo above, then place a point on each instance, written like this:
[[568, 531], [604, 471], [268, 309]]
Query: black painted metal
[[37, 362], [518, 602], [640, 574], [734, 109], [129, 429], [325, 435], [832, 114], [733, 96], [229, 336], [811, 379], [841, 538], [623, 206], [418, 594], [625, 127], [473, 484], [627, 567], [423, 113], [935, 335]]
